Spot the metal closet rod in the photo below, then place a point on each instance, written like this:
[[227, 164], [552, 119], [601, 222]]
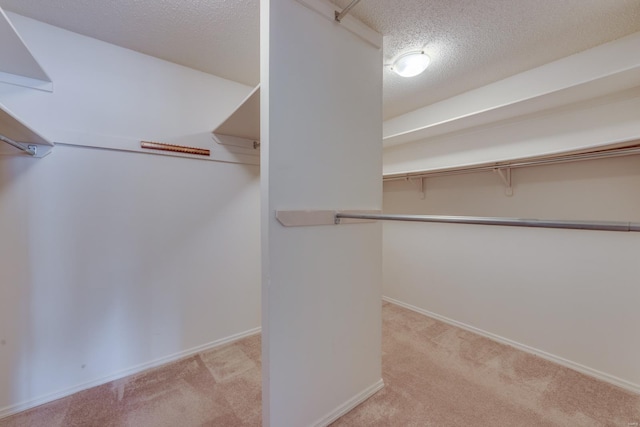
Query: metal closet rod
[[510, 222], [32, 150], [567, 158]]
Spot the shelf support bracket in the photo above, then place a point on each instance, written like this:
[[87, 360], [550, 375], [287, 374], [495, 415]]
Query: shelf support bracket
[[420, 185], [505, 176]]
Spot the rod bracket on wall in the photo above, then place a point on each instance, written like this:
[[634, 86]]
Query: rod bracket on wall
[[30, 149], [505, 176], [420, 184], [340, 15]]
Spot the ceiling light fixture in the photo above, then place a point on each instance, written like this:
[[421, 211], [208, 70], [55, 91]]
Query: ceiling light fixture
[[411, 64]]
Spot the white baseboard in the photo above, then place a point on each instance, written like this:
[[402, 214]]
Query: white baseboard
[[627, 385], [14, 409], [350, 404]]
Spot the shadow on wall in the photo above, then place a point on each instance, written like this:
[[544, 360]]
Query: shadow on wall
[[15, 271]]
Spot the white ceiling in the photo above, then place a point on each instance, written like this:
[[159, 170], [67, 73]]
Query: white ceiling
[[471, 42], [220, 37]]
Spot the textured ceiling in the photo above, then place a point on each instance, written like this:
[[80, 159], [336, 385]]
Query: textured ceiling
[[476, 42], [221, 37], [471, 42]]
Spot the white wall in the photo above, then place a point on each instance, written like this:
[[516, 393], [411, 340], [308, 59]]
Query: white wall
[[107, 96], [571, 295], [322, 149], [112, 261]]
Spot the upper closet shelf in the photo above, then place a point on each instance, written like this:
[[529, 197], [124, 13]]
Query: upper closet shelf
[[242, 127], [13, 130], [19, 66]]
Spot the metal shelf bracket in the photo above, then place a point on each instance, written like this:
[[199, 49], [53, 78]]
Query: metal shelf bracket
[[420, 185], [505, 176]]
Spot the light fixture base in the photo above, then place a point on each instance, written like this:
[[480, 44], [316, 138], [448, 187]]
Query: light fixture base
[[411, 64]]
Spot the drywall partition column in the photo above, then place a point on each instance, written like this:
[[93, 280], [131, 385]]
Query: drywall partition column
[[321, 149]]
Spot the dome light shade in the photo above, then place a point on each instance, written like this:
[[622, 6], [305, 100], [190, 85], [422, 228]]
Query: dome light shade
[[411, 64]]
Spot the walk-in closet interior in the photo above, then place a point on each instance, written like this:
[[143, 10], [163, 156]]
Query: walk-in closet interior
[[261, 213]]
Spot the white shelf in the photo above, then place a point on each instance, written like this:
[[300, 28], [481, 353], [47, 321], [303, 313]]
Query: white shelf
[[18, 65], [14, 128], [242, 127], [581, 92]]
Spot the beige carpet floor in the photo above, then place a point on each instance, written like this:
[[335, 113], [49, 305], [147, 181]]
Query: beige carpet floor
[[435, 375]]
